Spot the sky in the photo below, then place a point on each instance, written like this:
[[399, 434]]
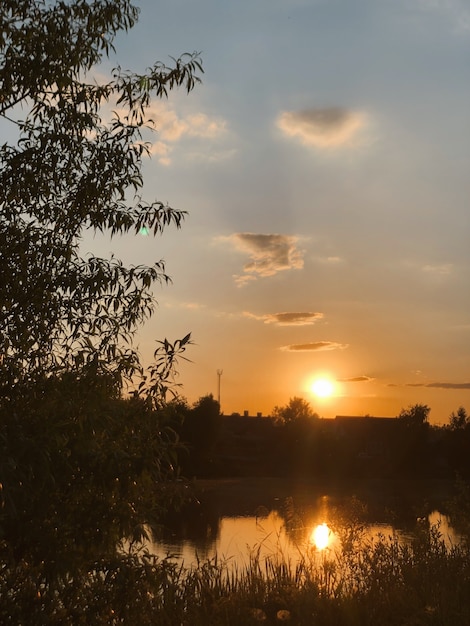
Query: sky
[[324, 163]]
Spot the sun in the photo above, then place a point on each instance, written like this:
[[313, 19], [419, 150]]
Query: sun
[[322, 387]]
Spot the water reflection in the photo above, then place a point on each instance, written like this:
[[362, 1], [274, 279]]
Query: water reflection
[[233, 524], [320, 536]]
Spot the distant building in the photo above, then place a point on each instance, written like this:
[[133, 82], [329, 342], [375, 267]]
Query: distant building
[[369, 437]]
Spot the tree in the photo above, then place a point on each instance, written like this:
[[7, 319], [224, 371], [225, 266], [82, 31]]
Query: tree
[[457, 442], [459, 420], [73, 455], [70, 171], [296, 409], [200, 431], [415, 415], [414, 452], [296, 421]]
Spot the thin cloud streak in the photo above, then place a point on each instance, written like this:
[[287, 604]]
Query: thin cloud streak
[[331, 260], [192, 306], [287, 319], [440, 385], [444, 269], [317, 346], [356, 379]]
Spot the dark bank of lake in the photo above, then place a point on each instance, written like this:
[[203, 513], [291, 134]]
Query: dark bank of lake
[[231, 518]]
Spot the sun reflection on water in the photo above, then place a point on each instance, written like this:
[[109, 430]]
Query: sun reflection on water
[[320, 536]]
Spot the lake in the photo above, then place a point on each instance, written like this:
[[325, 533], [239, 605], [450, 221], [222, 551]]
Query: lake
[[229, 519]]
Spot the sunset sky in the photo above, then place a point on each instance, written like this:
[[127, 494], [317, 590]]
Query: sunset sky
[[325, 166]]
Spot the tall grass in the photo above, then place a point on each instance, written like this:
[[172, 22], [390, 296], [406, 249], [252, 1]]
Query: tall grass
[[383, 581]]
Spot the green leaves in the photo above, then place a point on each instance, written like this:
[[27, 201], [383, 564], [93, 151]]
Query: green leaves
[[160, 379], [45, 46], [72, 169]]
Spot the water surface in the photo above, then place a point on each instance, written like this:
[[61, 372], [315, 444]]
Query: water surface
[[230, 520]]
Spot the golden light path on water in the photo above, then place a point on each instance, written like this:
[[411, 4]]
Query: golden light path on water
[[238, 539], [320, 536]]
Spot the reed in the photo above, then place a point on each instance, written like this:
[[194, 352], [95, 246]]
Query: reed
[[384, 581]]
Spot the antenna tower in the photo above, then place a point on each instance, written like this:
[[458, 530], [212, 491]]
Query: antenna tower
[[219, 376]]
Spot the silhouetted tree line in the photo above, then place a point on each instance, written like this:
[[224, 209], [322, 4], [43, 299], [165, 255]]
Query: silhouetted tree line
[[295, 442], [198, 428]]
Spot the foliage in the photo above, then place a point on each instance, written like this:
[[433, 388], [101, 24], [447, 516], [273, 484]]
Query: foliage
[[101, 464], [202, 424], [80, 468], [384, 581], [459, 420], [72, 170], [297, 425], [415, 415], [199, 433], [295, 409]]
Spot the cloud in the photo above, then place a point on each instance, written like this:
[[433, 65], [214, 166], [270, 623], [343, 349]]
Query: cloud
[[356, 379], [440, 385], [173, 128], [330, 127], [243, 280], [438, 270], [193, 306], [201, 125], [329, 259], [162, 151], [269, 254], [287, 319], [449, 385], [215, 156], [318, 346]]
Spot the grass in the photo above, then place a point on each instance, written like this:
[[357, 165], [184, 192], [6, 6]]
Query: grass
[[384, 581]]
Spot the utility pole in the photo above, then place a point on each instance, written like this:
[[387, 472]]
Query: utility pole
[[219, 376]]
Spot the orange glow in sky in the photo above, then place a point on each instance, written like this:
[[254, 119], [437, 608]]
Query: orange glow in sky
[[327, 228]]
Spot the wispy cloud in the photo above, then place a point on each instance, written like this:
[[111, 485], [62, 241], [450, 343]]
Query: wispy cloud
[[173, 128], [356, 379], [214, 156], [287, 319], [440, 385], [330, 127], [192, 306], [316, 346], [330, 260], [443, 269], [162, 151], [269, 254]]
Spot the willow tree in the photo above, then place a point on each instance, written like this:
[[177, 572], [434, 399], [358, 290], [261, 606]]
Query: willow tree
[[70, 170], [73, 455]]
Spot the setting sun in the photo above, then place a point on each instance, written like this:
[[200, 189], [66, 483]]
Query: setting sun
[[322, 387]]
